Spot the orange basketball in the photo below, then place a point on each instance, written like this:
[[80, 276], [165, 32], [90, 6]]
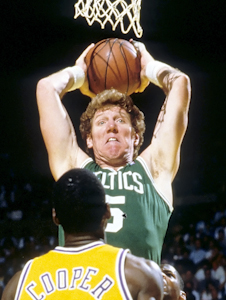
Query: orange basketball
[[113, 63]]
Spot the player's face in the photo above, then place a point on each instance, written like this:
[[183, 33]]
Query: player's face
[[112, 136], [172, 289]]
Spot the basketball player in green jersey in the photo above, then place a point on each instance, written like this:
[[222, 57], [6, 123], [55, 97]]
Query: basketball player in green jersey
[[138, 186], [76, 271]]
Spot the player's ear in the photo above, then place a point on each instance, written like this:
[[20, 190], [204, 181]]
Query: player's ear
[[182, 295], [136, 139], [89, 141], [108, 211], [106, 216], [54, 217]]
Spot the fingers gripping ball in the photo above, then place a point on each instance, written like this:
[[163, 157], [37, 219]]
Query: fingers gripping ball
[[113, 63]]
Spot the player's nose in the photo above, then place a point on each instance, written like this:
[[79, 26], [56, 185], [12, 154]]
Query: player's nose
[[112, 127]]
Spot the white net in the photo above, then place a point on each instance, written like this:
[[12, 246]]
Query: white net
[[113, 11]]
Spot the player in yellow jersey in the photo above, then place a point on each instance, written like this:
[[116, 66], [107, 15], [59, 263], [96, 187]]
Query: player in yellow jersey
[[86, 267]]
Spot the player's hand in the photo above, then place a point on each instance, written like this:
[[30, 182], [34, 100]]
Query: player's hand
[[145, 59], [84, 89]]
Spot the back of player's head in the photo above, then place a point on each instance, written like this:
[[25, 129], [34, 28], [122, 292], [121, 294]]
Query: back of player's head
[[79, 201]]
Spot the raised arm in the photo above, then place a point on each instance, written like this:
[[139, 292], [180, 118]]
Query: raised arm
[[56, 127], [163, 154], [171, 123]]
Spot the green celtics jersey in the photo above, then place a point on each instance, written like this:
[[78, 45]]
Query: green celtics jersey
[[140, 213]]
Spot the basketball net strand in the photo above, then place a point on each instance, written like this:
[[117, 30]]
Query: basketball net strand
[[104, 11]]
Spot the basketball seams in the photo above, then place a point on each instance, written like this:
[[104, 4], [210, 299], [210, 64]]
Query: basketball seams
[[109, 56], [126, 65], [112, 54], [113, 63], [95, 53]]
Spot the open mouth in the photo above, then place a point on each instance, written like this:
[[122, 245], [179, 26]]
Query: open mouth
[[112, 139]]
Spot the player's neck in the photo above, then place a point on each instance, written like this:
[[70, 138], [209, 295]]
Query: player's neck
[[77, 241], [112, 164]]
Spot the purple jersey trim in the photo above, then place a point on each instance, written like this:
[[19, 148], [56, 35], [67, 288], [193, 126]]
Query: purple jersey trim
[[121, 270], [22, 279], [78, 249]]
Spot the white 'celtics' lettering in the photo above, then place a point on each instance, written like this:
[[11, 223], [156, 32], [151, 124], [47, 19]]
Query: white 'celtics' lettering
[[131, 181], [62, 282], [140, 188], [125, 180]]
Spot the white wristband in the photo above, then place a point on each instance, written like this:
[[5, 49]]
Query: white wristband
[[79, 77], [152, 69]]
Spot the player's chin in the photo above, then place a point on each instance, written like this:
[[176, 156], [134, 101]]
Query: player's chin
[[113, 148], [115, 154]]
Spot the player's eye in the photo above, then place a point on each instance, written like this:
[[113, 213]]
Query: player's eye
[[120, 120], [169, 274], [100, 122]]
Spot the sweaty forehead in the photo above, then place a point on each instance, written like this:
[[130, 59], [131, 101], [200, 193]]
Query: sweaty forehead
[[111, 109]]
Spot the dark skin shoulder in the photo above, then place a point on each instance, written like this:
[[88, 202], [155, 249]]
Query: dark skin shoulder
[[144, 278], [10, 289]]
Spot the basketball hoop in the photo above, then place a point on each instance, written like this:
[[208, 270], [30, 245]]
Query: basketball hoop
[[113, 11]]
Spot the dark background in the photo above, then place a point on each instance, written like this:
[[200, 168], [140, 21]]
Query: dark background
[[41, 37]]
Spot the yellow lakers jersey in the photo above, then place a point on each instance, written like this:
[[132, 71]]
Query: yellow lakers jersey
[[92, 271]]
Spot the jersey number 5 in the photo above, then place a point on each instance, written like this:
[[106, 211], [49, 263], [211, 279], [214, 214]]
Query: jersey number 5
[[116, 213]]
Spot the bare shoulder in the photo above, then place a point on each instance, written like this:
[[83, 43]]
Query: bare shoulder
[[143, 277], [10, 289], [74, 160]]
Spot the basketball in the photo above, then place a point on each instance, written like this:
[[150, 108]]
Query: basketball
[[113, 63]]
